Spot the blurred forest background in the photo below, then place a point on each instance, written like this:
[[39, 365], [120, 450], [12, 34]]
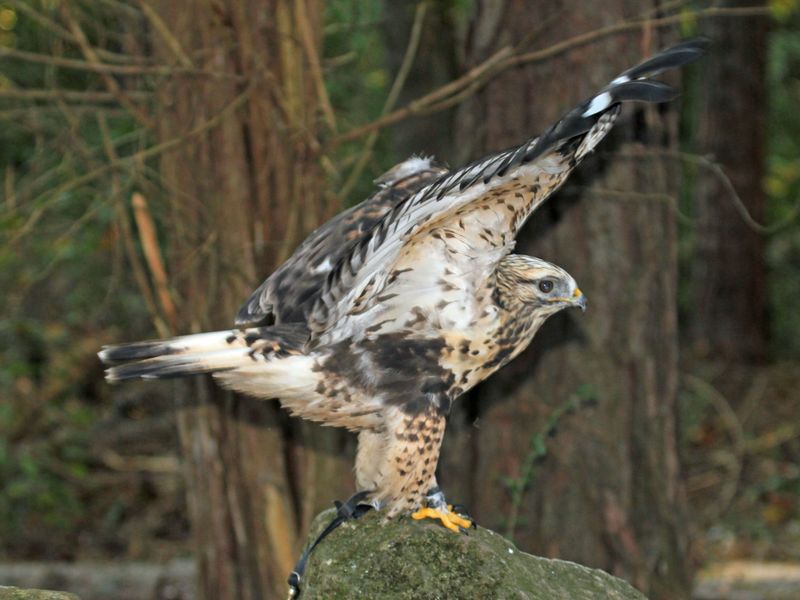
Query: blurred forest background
[[158, 159]]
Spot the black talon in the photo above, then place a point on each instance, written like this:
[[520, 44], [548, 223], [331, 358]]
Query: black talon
[[461, 510], [345, 511], [435, 499]]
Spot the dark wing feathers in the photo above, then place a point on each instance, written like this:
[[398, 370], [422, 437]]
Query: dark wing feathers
[[545, 160], [288, 294], [671, 58], [626, 87]]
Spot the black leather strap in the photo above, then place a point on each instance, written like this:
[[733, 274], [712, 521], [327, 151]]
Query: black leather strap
[[344, 512]]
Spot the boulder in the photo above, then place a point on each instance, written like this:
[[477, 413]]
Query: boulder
[[14, 593], [373, 557]]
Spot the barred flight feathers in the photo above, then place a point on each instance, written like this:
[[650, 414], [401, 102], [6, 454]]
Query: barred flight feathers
[[522, 178], [202, 353], [290, 292]]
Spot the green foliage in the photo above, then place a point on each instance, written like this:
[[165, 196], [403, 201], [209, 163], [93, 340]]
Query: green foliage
[[65, 291], [584, 397], [357, 80], [783, 187], [45, 426]]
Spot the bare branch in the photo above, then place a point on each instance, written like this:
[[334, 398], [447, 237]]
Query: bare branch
[[152, 253], [625, 26], [109, 81], [634, 196], [36, 112], [127, 236], [162, 29], [82, 65], [125, 162], [53, 27], [477, 77], [8, 180], [719, 173], [487, 67], [64, 95], [391, 99], [122, 7], [307, 38]]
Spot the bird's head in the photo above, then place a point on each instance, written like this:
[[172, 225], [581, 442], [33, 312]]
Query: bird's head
[[534, 284]]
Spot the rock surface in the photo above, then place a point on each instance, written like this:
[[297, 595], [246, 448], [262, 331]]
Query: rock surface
[[13, 593], [420, 560]]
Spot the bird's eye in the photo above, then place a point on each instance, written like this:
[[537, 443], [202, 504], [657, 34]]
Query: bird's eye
[[546, 286]]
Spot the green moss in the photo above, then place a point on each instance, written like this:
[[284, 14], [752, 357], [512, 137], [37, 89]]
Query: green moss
[[12, 593], [405, 559]]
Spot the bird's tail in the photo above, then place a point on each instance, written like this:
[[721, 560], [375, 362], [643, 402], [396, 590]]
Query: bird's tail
[[215, 353], [262, 362]]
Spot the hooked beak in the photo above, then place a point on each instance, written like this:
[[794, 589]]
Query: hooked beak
[[578, 299]]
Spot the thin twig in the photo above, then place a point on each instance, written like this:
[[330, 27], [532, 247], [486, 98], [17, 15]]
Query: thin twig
[[44, 180], [626, 26], [309, 46], [734, 426], [149, 464], [394, 93], [111, 84], [490, 65], [772, 439], [506, 58], [65, 95], [36, 112], [133, 70], [170, 40], [125, 162], [53, 27], [123, 7], [635, 196], [127, 235], [537, 451], [718, 171], [152, 253], [9, 181]]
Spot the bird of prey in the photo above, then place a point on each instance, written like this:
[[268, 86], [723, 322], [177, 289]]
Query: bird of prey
[[385, 315]]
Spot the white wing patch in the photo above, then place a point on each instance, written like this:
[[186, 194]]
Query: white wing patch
[[408, 167], [598, 104], [324, 266]]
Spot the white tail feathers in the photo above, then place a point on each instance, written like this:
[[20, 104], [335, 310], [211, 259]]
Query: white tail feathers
[[213, 352]]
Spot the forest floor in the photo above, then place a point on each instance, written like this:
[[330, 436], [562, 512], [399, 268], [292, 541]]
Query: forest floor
[[740, 444]]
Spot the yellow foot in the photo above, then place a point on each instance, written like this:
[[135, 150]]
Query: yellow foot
[[449, 519]]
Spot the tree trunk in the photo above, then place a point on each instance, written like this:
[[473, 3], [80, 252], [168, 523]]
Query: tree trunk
[[240, 194], [608, 493], [729, 316]]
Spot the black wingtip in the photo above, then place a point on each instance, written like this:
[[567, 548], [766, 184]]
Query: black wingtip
[[644, 91], [680, 54], [631, 85], [159, 368], [135, 351]]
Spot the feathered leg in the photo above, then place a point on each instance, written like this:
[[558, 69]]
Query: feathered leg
[[399, 464]]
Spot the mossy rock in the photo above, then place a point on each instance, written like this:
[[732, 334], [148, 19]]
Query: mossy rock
[[13, 593], [421, 560]]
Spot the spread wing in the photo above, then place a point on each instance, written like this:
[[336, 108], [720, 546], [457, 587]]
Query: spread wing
[[288, 295], [453, 232]]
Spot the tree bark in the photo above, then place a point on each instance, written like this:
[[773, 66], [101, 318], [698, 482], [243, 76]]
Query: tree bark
[[238, 197], [608, 493], [729, 315]]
